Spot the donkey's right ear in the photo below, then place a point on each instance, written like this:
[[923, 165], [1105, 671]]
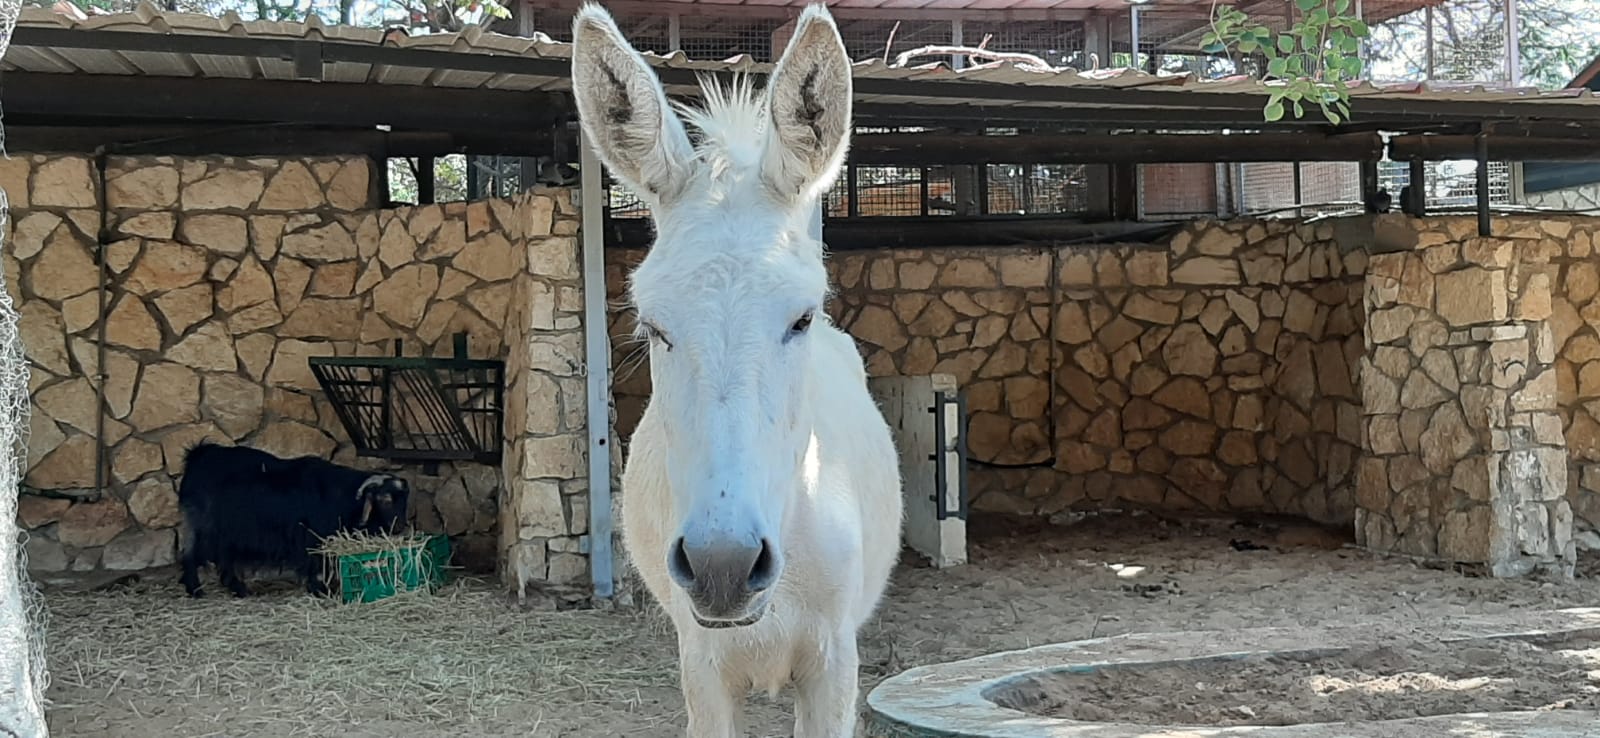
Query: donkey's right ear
[[624, 111]]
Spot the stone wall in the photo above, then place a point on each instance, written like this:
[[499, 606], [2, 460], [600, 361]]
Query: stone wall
[[1212, 372], [1585, 199], [223, 276], [1465, 458]]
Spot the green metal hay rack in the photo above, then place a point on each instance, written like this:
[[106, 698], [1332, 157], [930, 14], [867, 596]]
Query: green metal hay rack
[[418, 409]]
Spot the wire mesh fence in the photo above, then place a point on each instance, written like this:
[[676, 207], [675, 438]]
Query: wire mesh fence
[[1457, 41], [1289, 188], [1177, 191], [1059, 43]]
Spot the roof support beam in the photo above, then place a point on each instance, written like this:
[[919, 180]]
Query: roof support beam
[[925, 149], [272, 140], [1500, 148], [94, 97]]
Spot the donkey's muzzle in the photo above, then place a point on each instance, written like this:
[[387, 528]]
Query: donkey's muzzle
[[723, 578]]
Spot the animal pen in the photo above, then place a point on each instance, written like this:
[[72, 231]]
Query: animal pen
[[1067, 299]]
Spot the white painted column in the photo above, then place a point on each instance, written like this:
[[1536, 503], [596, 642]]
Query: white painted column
[[1513, 45], [597, 362]]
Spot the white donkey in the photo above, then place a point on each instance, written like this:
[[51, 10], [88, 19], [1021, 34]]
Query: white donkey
[[761, 499]]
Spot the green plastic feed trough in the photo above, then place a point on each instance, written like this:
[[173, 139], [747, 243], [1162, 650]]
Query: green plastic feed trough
[[369, 577]]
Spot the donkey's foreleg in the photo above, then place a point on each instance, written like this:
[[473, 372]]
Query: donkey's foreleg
[[714, 709], [825, 706]]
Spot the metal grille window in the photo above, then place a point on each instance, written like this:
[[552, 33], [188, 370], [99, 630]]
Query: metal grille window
[[1449, 184], [1177, 191], [889, 191], [1058, 188], [1266, 188], [621, 203]]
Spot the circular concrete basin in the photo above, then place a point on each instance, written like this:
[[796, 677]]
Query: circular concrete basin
[[997, 696]]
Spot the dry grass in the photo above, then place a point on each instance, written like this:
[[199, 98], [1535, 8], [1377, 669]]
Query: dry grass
[[355, 543], [459, 655]]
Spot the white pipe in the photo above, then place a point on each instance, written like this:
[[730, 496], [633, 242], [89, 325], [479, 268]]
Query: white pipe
[[597, 360]]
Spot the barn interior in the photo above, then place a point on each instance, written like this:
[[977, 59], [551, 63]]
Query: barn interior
[[1146, 300]]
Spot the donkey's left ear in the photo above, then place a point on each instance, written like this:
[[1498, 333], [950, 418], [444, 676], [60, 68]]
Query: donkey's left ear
[[809, 101]]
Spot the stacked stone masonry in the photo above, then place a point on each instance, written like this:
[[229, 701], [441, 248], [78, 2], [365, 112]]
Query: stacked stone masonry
[[1210, 373], [1477, 424], [1222, 370], [1581, 199], [223, 277]]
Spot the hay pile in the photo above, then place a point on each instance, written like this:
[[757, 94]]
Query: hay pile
[[287, 664], [397, 553], [354, 543]]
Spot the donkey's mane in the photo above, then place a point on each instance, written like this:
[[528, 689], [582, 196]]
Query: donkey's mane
[[732, 122]]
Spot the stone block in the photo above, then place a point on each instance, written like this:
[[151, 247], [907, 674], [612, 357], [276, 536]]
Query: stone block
[[1472, 295]]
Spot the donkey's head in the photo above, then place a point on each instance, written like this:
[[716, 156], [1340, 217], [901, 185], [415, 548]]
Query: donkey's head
[[730, 290]]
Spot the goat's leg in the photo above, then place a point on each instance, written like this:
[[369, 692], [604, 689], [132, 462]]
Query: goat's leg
[[825, 706], [228, 571], [714, 710], [316, 574], [191, 573]]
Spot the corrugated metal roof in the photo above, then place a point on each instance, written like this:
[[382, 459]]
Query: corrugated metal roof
[[930, 84]]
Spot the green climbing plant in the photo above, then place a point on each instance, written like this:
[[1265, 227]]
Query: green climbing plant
[[1312, 62]]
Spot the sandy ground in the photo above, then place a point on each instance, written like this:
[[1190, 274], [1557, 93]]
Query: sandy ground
[[145, 661], [1370, 682]]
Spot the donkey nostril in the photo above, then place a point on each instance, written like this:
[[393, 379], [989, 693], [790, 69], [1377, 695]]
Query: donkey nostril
[[678, 565], [765, 572]]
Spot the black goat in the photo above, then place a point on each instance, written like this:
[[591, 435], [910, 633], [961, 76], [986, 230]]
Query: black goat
[[247, 507]]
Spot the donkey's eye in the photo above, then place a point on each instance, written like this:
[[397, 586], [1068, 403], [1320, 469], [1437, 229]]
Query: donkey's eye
[[802, 324], [654, 333]]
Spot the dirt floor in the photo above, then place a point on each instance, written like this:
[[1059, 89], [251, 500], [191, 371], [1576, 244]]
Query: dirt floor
[[1368, 682], [142, 660]]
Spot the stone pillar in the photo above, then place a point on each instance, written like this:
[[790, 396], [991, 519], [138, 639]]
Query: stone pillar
[[544, 513], [1464, 458]]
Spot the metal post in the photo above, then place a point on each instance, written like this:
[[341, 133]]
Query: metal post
[[957, 38], [427, 173], [1361, 49], [1299, 193], [1133, 26], [1513, 45], [1483, 182], [1419, 188], [1429, 21], [674, 33], [597, 360]]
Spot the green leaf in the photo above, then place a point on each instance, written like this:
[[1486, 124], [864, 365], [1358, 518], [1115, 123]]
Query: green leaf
[[1305, 6], [1359, 28], [1349, 44], [1248, 45], [1331, 116], [1299, 110], [1341, 6], [1278, 67], [1285, 44], [1214, 47], [1318, 17], [1274, 112]]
